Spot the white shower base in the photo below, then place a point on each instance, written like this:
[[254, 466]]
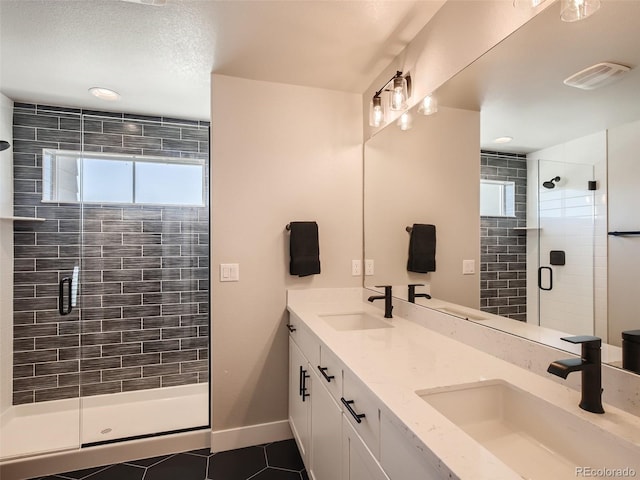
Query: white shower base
[[59, 425]]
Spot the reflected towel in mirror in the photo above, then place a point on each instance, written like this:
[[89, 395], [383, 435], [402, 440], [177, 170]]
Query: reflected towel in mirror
[[422, 248]]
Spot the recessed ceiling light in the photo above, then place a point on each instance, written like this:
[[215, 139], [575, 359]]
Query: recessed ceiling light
[[104, 93], [503, 140]]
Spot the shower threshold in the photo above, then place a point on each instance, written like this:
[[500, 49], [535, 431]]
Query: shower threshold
[[60, 425]]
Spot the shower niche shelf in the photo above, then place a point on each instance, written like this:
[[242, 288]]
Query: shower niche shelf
[[24, 219]]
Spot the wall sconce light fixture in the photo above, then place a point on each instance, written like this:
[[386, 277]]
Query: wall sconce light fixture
[[428, 106], [398, 89], [574, 10]]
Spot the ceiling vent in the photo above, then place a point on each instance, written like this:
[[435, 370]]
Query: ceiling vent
[[597, 76]]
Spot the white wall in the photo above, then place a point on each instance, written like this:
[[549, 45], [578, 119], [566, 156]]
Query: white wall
[[279, 153], [624, 215], [6, 255], [569, 221], [425, 175]]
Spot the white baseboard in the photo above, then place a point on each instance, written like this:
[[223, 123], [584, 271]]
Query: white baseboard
[[48, 464], [222, 440]]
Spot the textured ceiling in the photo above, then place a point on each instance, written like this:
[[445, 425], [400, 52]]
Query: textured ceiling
[[160, 58]]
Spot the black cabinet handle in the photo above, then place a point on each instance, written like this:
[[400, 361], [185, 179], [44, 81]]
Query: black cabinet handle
[[61, 307], [550, 278], [357, 416], [291, 327], [300, 382], [303, 390], [323, 371]]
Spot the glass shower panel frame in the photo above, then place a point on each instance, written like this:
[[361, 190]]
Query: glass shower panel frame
[[145, 294], [566, 220]]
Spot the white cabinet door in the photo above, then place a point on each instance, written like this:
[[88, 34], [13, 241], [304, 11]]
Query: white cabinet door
[[299, 400], [326, 427], [401, 457], [358, 463]]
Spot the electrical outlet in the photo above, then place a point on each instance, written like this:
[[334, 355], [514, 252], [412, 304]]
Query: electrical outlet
[[368, 267], [356, 268], [468, 267]]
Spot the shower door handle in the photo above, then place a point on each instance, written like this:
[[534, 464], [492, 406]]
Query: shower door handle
[[550, 278], [61, 296]]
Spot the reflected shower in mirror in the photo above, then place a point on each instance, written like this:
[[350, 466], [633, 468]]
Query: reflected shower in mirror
[[570, 159]]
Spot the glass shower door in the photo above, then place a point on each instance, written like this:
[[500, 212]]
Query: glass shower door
[[566, 217], [145, 277]]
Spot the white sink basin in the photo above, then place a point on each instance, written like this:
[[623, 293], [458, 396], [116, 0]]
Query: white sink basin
[[354, 321], [533, 437]]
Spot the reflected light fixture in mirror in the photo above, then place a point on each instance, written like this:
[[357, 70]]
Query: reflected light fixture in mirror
[[376, 112], [104, 93], [574, 10], [405, 122], [503, 140], [428, 106]]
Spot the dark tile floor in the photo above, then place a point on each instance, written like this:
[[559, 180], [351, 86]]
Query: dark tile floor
[[272, 461]]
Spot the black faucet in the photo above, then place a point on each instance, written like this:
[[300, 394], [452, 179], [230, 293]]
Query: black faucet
[[590, 366], [387, 300], [412, 292]]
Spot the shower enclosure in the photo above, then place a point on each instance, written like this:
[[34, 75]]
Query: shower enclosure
[[565, 248], [111, 279]]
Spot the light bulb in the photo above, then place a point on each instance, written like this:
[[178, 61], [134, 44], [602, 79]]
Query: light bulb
[[574, 10], [399, 94], [428, 106], [376, 112], [405, 122]]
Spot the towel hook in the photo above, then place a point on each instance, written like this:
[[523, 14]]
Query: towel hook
[[409, 229], [288, 227]]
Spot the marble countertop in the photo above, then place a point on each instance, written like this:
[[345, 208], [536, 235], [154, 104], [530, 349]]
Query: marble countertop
[[396, 362]]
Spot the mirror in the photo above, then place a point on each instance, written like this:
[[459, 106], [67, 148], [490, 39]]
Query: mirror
[[553, 265]]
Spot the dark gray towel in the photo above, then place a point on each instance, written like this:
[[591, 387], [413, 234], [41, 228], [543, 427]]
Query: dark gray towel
[[422, 248], [304, 249]]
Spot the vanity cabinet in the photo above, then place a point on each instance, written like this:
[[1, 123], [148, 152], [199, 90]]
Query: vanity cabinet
[[335, 419]]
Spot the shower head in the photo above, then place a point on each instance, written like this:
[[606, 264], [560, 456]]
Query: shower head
[[4, 145], [550, 183]]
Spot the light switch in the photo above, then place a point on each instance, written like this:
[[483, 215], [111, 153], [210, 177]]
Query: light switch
[[468, 267], [229, 272]]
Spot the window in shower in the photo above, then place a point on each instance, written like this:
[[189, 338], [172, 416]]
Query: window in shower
[[75, 177]]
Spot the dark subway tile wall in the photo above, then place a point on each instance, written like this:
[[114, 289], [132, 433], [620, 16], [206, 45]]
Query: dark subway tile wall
[[503, 250], [142, 315]]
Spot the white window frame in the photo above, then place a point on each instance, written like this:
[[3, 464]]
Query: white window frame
[[53, 153]]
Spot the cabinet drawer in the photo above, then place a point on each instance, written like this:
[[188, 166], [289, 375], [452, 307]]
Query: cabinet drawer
[[358, 402], [330, 370], [307, 342]]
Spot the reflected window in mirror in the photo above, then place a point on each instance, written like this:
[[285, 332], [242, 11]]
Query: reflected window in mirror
[[497, 198]]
